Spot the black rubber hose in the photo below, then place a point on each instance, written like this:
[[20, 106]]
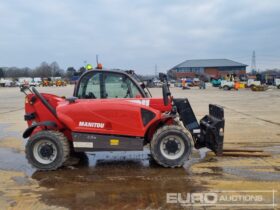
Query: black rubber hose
[[44, 101]]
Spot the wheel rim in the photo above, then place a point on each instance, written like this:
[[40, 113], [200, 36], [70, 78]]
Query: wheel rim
[[45, 151], [172, 147]]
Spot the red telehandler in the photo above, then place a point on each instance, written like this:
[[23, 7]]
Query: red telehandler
[[112, 111]]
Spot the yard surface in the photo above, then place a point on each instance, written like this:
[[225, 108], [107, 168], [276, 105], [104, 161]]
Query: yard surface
[[131, 181]]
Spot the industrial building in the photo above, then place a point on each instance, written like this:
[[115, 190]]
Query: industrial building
[[212, 68]]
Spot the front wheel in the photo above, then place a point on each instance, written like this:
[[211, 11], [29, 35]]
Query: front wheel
[[47, 150], [171, 146]]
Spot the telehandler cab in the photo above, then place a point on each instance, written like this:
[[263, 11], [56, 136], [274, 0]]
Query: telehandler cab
[[111, 111]]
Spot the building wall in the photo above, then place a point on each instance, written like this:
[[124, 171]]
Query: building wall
[[237, 72], [215, 72], [210, 71], [190, 69], [180, 75]]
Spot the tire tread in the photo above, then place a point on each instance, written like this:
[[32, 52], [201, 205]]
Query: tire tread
[[65, 147], [155, 137]]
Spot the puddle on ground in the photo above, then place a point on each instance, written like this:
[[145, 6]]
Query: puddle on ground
[[130, 180], [120, 179], [5, 133], [12, 160], [248, 173], [21, 180], [104, 179]]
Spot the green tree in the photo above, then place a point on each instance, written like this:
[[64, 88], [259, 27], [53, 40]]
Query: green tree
[[71, 71], [81, 70]]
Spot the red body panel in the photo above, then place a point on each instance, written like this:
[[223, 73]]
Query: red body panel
[[120, 117], [42, 113], [106, 116]]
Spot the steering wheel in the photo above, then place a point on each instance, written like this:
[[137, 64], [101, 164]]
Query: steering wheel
[[91, 95]]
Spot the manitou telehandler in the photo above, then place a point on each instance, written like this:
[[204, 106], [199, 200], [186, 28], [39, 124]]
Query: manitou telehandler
[[112, 111]]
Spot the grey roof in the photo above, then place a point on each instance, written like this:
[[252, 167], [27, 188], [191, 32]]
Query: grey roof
[[208, 63]]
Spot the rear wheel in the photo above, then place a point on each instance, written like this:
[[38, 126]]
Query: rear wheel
[[47, 150], [171, 146]]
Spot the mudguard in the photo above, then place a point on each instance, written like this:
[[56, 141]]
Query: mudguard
[[30, 129]]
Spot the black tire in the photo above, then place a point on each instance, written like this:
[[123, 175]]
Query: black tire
[[59, 144], [278, 86], [161, 135]]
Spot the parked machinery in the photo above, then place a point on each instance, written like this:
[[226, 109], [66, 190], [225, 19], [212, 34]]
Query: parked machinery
[[111, 111]]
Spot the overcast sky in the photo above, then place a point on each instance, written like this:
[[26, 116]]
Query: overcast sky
[[138, 34]]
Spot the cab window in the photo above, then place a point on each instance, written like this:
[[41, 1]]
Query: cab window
[[107, 85], [90, 86], [119, 86]]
